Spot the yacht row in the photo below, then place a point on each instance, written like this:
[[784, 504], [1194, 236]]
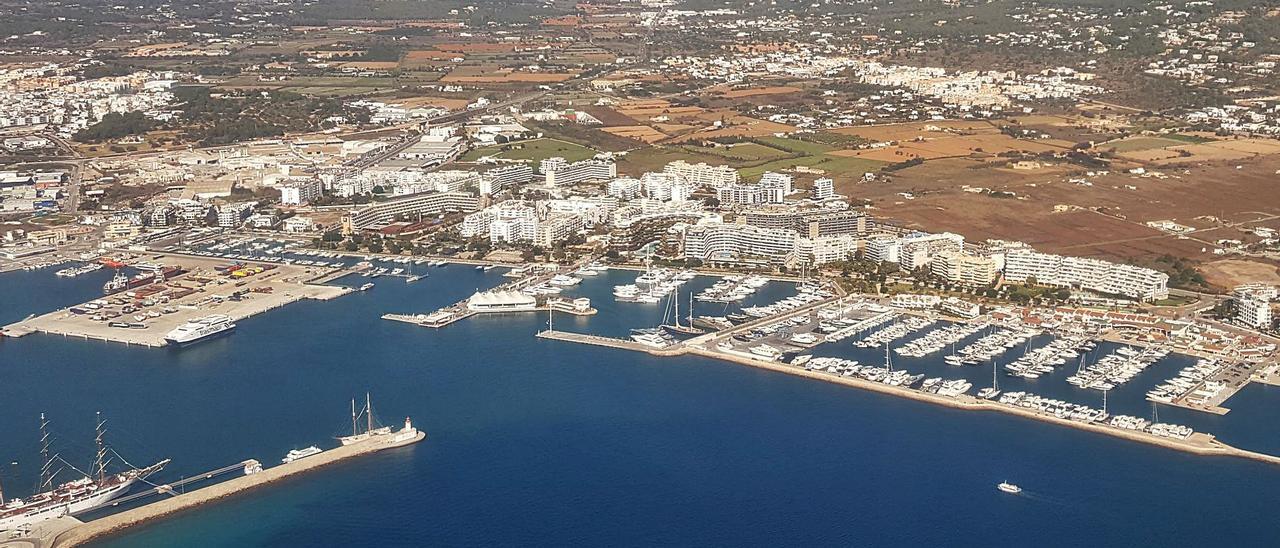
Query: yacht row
[[1117, 368], [938, 339], [882, 374], [989, 346], [732, 288], [1058, 408], [1195, 379], [1043, 360], [654, 284], [895, 331]]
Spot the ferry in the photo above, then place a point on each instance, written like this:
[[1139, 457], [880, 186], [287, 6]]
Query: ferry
[[1009, 488], [299, 454], [199, 329]]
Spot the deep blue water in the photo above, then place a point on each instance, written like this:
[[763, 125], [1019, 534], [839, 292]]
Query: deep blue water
[[535, 442]]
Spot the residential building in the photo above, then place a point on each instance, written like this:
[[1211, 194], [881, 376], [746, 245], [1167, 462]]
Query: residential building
[[823, 189], [701, 174], [300, 191], [959, 268], [577, 172], [411, 206], [1092, 274]]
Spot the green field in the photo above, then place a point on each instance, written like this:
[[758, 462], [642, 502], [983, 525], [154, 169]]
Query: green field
[[535, 150], [795, 145], [741, 152]]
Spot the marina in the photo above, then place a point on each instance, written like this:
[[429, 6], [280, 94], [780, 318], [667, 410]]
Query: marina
[[521, 360]]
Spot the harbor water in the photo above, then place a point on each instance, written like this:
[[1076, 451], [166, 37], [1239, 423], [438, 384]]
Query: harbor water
[[536, 442]]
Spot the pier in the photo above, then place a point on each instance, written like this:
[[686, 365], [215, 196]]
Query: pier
[[114, 523], [201, 291], [596, 340]]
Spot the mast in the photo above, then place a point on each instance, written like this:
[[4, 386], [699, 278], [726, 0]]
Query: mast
[[887, 362], [46, 463], [995, 385], [676, 297], [368, 409], [100, 463], [690, 309], [353, 417]]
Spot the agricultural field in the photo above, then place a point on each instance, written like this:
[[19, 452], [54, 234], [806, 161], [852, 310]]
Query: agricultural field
[[534, 151]]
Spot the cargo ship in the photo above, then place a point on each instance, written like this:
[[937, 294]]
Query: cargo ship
[[120, 282], [94, 490]]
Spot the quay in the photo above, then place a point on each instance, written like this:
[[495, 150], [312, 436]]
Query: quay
[[202, 290], [98, 528], [673, 350]]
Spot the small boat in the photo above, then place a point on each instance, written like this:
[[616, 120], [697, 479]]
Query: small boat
[[412, 279], [1009, 488], [366, 287]]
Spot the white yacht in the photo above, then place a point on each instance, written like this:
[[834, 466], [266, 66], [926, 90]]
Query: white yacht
[[298, 454]]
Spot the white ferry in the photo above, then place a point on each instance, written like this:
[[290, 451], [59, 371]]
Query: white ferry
[[199, 329], [1009, 488], [298, 454]]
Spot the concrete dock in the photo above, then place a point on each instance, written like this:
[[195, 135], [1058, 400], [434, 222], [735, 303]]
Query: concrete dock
[[116, 523], [201, 291]]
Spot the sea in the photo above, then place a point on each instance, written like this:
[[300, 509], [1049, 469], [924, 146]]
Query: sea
[[536, 442]]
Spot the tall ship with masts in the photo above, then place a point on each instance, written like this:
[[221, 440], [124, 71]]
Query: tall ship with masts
[[370, 430], [93, 490]]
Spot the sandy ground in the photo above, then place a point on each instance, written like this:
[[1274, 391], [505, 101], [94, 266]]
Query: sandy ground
[[1233, 272]]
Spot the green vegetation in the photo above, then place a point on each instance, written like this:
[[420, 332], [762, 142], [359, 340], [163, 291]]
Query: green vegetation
[[232, 117], [115, 125], [796, 146], [535, 150], [1182, 273], [740, 152], [1134, 144]]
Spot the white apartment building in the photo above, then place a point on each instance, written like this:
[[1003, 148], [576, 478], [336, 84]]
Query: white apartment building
[[749, 195], [701, 174], [415, 205], [824, 189], [577, 172], [665, 187], [556, 228], [625, 188], [1092, 274], [721, 242], [1253, 304], [499, 178], [300, 192], [232, 215], [959, 268], [1254, 312], [827, 249], [477, 223], [917, 250], [780, 181]]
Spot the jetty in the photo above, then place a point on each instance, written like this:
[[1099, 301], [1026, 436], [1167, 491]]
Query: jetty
[[115, 523]]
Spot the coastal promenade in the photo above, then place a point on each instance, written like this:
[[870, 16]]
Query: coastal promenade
[[114, 523]]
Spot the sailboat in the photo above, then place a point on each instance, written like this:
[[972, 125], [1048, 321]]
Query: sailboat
[[94, 490], [684, 329], [412, 277], [369, 431], [991, 392]]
